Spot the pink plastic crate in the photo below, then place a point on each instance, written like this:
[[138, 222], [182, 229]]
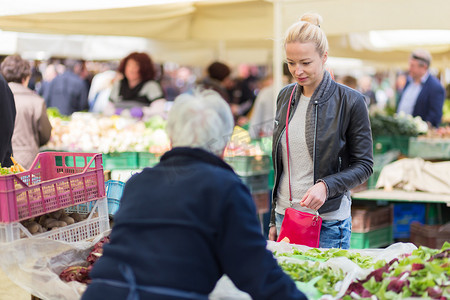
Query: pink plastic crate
[[55, 180]]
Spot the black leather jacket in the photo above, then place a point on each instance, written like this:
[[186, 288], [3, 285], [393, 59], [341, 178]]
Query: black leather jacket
[[338, 136]]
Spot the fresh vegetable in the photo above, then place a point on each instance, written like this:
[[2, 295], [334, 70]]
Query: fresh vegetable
[[397, 125], [50, 221], [364, 262], [424, 273], [75, 273], [81, 273], [325, 278]]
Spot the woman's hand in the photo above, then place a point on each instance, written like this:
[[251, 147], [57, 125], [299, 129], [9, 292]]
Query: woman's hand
[[315, 197], [273, 233]]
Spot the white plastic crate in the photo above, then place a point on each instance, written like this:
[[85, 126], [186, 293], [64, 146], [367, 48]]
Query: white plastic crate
[[96, 223]]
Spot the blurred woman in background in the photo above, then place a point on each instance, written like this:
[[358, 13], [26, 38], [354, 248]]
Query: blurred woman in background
[[32, 126], [138, 86]]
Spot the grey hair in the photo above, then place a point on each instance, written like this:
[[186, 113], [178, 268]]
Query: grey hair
[[308, 30], [15, 69], [200, 120], [422, 55]]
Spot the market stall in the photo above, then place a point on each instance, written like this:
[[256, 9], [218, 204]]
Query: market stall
[[57, 270], [411, 175], [318, 272]]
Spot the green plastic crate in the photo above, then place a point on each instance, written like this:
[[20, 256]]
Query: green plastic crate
[[429, 148], [256, 183], [120, 161], [250, 165], [147, 159], [372, 239], [383, 144]]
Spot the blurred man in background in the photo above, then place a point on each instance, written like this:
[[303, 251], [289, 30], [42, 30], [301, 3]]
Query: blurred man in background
[[423, 94]]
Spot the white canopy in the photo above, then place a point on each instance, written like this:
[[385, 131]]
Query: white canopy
[[197, 32]]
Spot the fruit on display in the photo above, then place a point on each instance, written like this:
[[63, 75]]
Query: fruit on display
[[241, 144], [442, 132]]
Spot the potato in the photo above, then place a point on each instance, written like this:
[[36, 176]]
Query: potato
[[68, 220], [56, 223], [56, 214], [42, 220], [33, 227], [49, 221], [76, 216]]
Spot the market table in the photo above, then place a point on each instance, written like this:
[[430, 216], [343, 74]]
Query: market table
[[401, 196]]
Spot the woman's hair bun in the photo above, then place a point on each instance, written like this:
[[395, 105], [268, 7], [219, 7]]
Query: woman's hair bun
[[312, 18]]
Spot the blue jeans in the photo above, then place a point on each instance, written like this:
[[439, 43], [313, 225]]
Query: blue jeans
[[333, 234]]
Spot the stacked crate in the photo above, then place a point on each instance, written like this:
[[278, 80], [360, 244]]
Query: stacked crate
[[55, 181], [254, 172], [371, 227], [432, 236]]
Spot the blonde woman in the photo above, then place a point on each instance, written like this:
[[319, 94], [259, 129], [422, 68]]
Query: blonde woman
[[329, 138]]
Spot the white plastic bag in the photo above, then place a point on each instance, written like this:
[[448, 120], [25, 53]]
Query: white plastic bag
[[34, 264]]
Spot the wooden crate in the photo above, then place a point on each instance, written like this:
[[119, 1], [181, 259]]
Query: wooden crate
[[432, 236], [368, 218]]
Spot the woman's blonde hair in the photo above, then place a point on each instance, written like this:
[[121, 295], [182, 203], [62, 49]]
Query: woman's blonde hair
[[308, 30]]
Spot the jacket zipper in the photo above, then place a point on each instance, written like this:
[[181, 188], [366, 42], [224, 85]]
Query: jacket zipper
[[315, 138]]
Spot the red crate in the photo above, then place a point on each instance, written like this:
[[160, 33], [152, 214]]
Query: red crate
[[55, 180]]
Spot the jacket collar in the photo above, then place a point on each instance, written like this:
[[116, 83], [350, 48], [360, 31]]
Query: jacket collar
[[196, 154], [322, 92]]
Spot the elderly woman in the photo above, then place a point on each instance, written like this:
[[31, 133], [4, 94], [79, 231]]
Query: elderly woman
[[32, 126], [189, 220], [138, 86]]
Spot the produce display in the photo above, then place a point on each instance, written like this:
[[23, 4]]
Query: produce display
[[442, 132], [425, 273], [422, 273], [51, 221], [397, 125], [88, 132], [316, 254], [310, 272], [241, 144], [324, 279]]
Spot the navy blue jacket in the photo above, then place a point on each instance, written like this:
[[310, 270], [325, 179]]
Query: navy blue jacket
[[67, 92], [181, 225], [7, 119], [430, 101]]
